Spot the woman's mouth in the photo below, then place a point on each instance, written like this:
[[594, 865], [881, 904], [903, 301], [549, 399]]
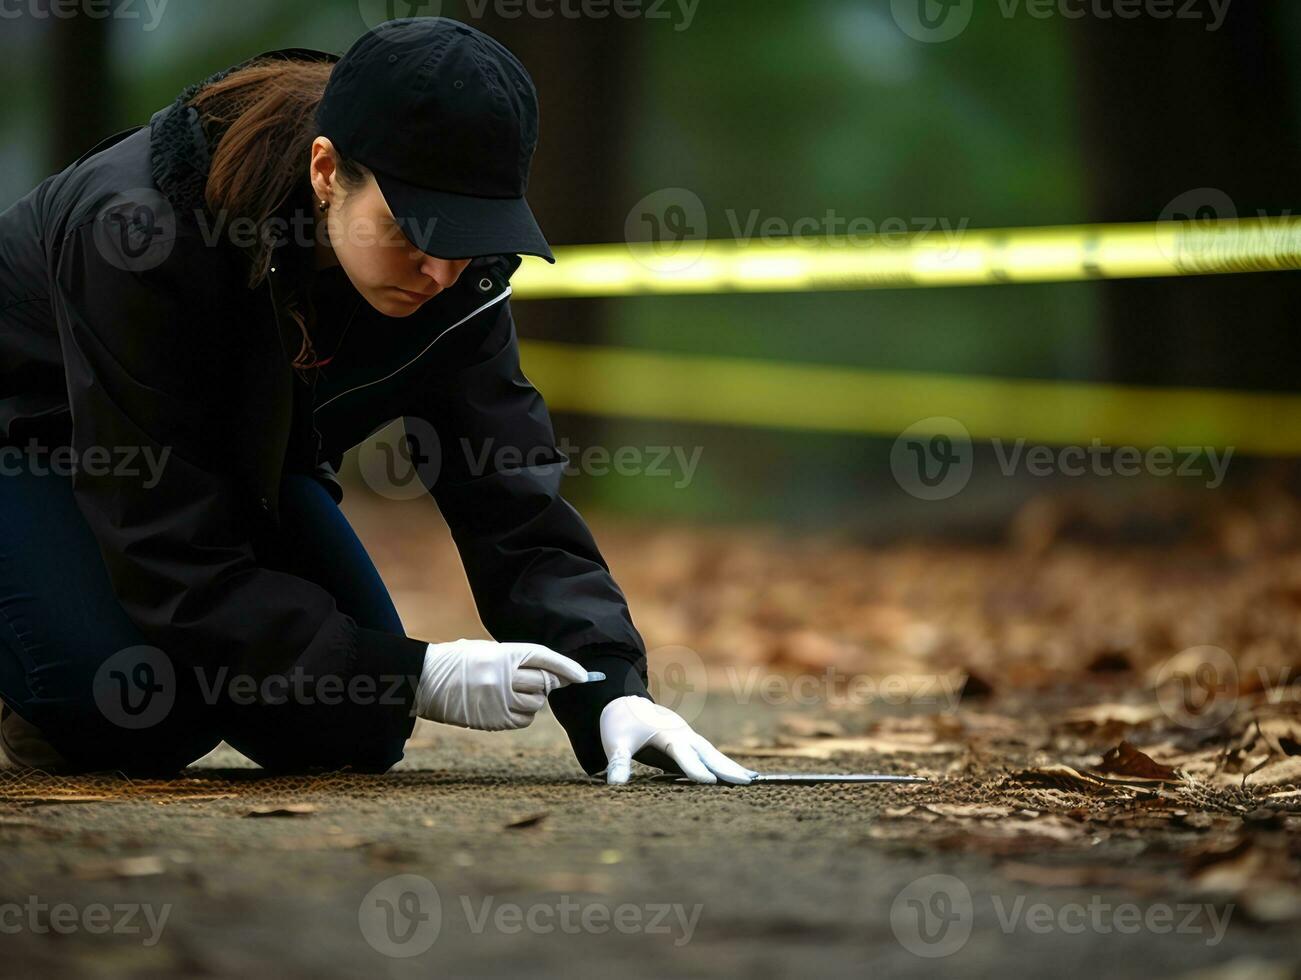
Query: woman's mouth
[[414, 297]]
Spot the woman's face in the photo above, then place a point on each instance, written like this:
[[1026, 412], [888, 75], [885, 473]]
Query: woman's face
[[394, 276]]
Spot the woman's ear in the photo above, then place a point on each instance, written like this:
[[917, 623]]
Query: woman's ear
[[323, 169]]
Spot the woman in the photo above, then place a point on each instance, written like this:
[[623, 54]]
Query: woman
[[197, 319]]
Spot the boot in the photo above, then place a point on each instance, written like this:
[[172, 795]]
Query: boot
[[22, 746]]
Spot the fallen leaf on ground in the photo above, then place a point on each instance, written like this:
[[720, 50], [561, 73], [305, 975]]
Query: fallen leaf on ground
[[142, 866], [969, 810], [285, 810], [1263, 878], [46, 798], [387, 853], [1281, 772], [1080, 876], [803, 726], [1101, 715], [826, 748], [1065, 777], [320, 842], [975, 688], [524, 822], [1125, 760], [568, 882]]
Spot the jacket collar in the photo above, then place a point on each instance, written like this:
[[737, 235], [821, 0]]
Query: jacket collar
[[180, 148]]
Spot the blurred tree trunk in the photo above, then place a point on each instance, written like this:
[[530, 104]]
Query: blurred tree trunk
[[1169, 107], [585, 70], [81, 82]]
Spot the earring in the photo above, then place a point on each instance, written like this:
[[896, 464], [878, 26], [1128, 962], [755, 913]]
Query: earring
[[324, 206]]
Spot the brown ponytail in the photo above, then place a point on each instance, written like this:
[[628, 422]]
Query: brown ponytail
[[265, 115]]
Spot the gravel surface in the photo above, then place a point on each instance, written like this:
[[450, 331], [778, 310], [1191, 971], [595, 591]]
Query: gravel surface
[[491, 855]]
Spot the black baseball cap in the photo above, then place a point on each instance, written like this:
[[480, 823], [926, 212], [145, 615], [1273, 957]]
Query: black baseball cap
[[447, 120]]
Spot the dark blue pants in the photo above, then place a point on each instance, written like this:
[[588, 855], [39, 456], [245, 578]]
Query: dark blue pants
[[60, 622]]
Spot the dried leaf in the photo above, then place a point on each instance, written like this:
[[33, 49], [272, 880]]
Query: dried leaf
[[975, 688], [969, 810], [827, 748], [284, 810], [321, 842], [1125, 760], [1100, 715], [143, 866], [1080, 876], [46, 798], [1283, 772], [804, 726], [524, 822]]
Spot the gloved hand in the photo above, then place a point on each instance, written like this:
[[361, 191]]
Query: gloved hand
[[491, 686], [633, 724]]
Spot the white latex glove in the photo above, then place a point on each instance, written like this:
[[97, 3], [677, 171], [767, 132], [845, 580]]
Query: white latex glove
[[630, 724], [492, 686]]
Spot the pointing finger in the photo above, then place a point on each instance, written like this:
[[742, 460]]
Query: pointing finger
[[568, 671]]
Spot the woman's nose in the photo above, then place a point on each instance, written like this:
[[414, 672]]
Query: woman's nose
[[445, 272]]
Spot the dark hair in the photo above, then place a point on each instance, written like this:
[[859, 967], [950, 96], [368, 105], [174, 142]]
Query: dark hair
[[266, 116]]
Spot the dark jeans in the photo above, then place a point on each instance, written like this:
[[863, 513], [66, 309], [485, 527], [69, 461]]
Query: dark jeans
[[60, 623]]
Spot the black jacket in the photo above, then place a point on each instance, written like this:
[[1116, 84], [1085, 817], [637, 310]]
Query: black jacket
[[105, 345]]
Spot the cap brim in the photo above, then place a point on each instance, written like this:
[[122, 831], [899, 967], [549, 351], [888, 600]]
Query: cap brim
[[459, 226]]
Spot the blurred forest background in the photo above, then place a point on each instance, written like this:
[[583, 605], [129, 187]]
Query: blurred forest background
[[791, 109]]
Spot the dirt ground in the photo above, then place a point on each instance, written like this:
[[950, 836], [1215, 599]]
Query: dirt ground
[[1087, 820], [1037, 875]]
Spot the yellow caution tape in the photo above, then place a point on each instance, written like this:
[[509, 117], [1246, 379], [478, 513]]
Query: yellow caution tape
[[736, 391], [954, 258]]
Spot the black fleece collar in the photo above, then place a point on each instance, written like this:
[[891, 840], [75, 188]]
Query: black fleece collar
[[181, 149]]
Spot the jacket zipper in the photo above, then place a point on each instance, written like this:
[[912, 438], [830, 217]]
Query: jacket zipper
[[492, 302]]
